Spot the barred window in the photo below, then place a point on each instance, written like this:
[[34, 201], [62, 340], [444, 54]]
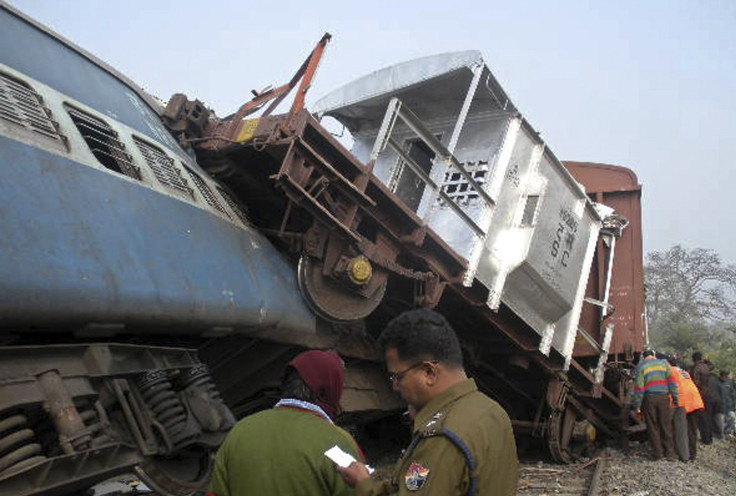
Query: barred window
[[458, 188], [163, 168], [21, 106], [235, 206], [206, 191], [104, 143]]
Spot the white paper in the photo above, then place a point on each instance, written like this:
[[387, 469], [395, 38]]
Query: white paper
[[338, 456], [341, 458]]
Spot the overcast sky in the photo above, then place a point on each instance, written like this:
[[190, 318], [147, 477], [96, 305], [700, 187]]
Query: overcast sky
[[650, 85]]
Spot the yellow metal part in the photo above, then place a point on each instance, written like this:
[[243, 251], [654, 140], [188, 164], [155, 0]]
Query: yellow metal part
[[360, 270], [591, 432], [584, 431], [247, 129]]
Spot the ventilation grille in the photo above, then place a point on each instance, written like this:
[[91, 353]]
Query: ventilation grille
[[234, 206], [163, 168], [459, 189], [104, 143], [22, 106], [209, 196]]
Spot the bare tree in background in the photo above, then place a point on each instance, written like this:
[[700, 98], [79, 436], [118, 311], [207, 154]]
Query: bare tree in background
[[691, 294]]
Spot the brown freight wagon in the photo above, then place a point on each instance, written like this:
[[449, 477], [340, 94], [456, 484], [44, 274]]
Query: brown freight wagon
[[618, 188]]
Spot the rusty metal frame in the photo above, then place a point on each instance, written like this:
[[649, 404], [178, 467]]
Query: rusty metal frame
[[305, 73], [302, 162]]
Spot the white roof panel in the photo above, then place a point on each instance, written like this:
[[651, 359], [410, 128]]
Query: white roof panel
[[397, 77]]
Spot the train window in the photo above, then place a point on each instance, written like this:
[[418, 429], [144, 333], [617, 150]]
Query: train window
[[104, 143], [528, 218], [22, 107], [163, 168], [208, 194], [235, 206]]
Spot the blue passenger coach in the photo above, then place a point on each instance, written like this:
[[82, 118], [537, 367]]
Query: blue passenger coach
[[110, 230]]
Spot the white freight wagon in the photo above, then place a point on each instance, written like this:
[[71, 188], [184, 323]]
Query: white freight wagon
[[443, 135]]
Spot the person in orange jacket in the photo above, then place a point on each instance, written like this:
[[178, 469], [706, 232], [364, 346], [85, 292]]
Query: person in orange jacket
[[685, 419]]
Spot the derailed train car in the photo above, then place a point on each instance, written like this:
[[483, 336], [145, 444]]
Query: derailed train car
[[449, 199], [133, 250]]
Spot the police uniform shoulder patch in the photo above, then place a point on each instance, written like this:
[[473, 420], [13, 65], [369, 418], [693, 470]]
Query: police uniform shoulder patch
[[416, 476]]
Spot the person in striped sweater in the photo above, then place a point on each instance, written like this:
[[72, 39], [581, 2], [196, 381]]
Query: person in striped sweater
[[653, 387]]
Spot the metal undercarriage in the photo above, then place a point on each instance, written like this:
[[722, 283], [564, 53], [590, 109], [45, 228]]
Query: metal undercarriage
[[105, 409]]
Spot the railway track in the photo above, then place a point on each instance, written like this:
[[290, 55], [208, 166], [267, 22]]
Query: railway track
[[545, 479]]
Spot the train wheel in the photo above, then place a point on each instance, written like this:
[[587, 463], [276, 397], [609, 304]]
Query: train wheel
[[180, 475], [328, 299], [559, 434], [567, 438]]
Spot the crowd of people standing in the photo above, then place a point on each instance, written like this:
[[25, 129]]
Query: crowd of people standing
[[462, 441], [678, 401]]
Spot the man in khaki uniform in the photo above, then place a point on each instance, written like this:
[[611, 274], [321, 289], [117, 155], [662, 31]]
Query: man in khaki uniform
[[462, 441]]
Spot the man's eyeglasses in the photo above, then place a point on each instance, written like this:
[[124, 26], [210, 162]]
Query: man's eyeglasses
[[396, 377]]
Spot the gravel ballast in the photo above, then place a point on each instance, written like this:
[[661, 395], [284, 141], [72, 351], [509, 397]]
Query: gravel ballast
[[713, 473]]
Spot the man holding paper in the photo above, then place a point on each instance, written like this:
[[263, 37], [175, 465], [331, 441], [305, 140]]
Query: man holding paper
[[281, 451], [462, 441]]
